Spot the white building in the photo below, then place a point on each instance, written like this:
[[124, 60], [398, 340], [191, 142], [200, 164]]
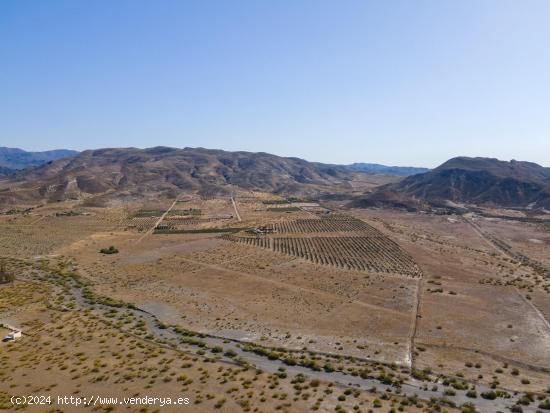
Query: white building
[[14, 334]]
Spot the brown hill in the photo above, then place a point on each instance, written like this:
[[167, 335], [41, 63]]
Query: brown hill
[[131, 172], [481, 181]]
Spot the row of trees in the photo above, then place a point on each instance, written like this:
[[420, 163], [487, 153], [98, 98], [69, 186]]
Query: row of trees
[[363, 253], [327, 224]]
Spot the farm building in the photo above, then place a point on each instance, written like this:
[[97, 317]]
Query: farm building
[[13, 335]]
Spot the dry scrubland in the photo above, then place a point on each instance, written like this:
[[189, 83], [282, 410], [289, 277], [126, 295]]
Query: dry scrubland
[[391, 298], [105, 351], [477, 305]]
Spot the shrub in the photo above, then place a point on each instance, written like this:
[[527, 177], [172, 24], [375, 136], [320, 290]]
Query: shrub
[[230, 353], [219, 403], [5, 275], [110, 250], [468, 408], [489, 395]]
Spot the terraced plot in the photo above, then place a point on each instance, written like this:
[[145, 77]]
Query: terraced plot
[[373, 254], [364, 249], [177, 221], [142, 223], [333, 223]]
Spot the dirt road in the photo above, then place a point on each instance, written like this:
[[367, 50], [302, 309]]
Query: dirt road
[[235, 208], [150, 231]]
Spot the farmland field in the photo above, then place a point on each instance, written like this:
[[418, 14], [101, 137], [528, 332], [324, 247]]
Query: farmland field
[[353, 245]]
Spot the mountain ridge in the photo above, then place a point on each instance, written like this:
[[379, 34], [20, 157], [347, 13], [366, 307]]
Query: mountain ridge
[[168, 171], [15, 158], [480, 181]]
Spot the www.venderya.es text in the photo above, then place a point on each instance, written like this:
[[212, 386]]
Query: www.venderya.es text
[[95, 400]]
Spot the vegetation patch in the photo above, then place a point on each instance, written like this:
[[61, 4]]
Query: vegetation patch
[[5, 275], [147, 213], [284, 209], [110, 250], [197, 231]]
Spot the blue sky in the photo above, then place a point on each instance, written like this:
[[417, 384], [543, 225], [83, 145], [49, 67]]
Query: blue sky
[[394, 82]]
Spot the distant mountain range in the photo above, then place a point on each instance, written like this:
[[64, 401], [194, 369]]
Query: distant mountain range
[[161, 171], [14, 158], [376, 168], [462, 180]]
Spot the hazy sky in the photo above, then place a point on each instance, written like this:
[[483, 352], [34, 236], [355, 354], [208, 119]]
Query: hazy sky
[[395, 82]]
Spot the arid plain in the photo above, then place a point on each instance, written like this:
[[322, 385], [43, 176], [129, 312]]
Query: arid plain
[[255, 288]]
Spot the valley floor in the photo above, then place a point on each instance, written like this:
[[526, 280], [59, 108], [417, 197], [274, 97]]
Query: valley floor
[[181, 310]]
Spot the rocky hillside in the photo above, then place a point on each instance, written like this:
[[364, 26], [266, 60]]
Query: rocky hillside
[[131, 172], [462, 180]]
